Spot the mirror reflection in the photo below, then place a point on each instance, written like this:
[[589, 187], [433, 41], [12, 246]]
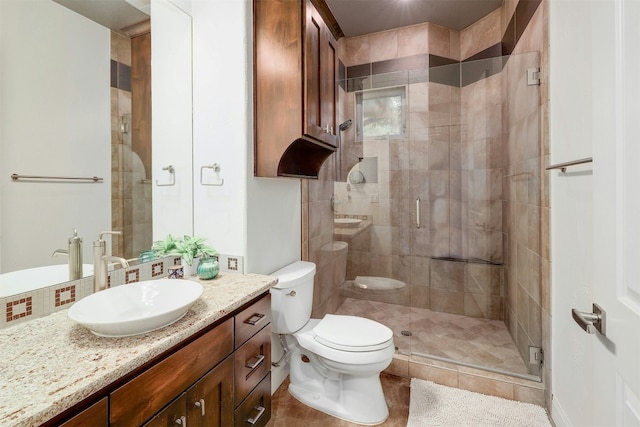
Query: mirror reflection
[[76, 103]]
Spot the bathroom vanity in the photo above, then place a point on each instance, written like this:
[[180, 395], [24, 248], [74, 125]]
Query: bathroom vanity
[[213, 365]]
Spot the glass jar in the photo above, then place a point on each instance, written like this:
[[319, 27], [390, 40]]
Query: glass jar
[[146, 256], [208, 268]]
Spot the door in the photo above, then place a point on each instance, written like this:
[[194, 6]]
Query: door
[[595, 211], [210, 400]]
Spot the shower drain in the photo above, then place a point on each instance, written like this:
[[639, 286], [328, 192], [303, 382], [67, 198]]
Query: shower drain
[[406, 333]]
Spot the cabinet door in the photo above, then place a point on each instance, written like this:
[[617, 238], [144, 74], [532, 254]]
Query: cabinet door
[[96, 415], [320, 78], [173, 415], [329, 84], [150, 391], [210, 400]]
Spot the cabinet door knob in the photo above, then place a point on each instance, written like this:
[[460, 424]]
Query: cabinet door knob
[[200, 404], [182, 421]]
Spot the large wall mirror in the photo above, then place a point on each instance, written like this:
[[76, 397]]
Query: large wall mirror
[[75, 103]]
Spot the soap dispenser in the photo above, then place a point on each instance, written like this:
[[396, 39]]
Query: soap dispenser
[[75, 256]]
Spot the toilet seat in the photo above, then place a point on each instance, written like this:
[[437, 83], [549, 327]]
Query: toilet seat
[[351, 333]]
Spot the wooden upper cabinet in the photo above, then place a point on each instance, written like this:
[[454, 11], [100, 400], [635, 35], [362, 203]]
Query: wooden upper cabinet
[[295, 89], [320, 78]]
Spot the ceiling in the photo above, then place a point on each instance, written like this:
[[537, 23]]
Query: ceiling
[[113, 14], [357, 17]]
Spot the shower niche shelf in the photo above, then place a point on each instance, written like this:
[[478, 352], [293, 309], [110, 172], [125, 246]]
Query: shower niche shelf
[[295, 89]]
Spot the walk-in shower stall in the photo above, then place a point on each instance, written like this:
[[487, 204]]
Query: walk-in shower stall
[[439, 197]]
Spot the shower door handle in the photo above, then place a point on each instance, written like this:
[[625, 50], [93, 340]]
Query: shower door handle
[[418, 212]]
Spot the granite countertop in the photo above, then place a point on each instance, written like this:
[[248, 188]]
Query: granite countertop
[[49, 364]]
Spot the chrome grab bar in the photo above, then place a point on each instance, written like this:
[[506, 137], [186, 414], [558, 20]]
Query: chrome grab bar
[[15, 177], [563, 166], [591, 322], [418, 212]]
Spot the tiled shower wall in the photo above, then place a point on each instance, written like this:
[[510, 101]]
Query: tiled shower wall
[[480, 130], [131, 207]]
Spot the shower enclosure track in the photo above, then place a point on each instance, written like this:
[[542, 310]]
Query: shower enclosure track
[[480, 367]]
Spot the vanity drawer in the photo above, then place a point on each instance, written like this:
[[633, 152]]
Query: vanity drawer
[[255, 411], [252, 363], [149, 392], [253, 318], [95, 415]]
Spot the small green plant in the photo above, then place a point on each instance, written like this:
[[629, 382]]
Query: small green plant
[[189, 247]]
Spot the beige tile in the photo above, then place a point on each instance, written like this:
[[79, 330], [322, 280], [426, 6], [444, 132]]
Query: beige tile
[[383, 46], [399, 366], [529, 395], [454, 45], [439, 41], [357, 51], [486, 386], [438, 375], [413, 40], [532, 39], [482, 34]]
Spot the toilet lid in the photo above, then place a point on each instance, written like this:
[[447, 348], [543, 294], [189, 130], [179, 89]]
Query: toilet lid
[[351, 333]]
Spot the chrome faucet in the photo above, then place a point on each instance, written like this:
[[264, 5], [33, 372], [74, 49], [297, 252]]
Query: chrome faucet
[[75, 256], [101, 261]]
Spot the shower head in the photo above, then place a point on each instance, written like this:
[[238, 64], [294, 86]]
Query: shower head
[[345, 125]]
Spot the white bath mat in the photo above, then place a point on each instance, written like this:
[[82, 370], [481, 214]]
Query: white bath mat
[[437, 405]]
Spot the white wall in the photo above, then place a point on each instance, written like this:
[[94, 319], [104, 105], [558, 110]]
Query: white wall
[[54, 120], [572, 83], [172, 118], [253, 217], [256, 218]]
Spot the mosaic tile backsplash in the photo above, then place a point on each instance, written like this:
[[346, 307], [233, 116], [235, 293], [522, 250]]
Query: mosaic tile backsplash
[[42, 302]]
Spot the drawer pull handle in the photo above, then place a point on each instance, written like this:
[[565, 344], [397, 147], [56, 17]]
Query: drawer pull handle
[[255, 419], [200, 404], [257, 360], [255, 319], [182, 421]]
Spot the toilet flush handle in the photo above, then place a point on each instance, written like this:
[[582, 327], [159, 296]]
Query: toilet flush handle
[[292, 294]]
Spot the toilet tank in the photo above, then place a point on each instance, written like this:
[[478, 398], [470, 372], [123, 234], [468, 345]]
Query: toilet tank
[[292, 297]]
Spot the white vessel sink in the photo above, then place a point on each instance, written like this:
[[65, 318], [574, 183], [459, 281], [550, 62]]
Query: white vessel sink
[[347, 222], [135, 308]]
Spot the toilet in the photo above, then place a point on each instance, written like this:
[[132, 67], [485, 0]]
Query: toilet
[[335, 361]]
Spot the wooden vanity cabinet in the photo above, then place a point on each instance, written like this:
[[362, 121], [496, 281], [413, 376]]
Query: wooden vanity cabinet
[[295, 89], [96, 415], [205, 381], [145, 395], [207, 403], [252, 370], [220, 377]]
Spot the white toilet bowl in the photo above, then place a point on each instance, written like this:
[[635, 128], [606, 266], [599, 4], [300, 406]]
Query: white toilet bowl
[[335, 362], [343, 382]]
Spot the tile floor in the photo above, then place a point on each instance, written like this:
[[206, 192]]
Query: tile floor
[[479, 342], [286, 411], [474, 341]]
